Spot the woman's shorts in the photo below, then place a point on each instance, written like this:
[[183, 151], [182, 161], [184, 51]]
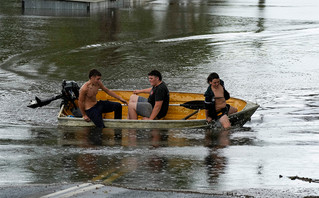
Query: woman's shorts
[[143, 107]]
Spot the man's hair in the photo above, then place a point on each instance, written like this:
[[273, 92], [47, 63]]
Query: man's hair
[[156, 73], [94, 72], [212, 76]]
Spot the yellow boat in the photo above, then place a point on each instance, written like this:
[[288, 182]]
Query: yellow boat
[[178, 116]]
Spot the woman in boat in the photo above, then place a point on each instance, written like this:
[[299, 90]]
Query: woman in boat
[[156, 106], [215, 101]]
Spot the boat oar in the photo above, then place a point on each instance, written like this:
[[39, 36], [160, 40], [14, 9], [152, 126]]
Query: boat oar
[[39, 103], [194, 104], [190, 115]]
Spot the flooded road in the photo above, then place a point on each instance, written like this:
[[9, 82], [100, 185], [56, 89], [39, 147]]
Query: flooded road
[[266, 51]]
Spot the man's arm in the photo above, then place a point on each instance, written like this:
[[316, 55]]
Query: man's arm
[[156, 109], [111, 93], [148, 90], [81, 103]]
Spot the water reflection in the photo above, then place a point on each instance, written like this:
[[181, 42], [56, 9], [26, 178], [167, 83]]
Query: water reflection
[[55, 12], [167, 158], [261, 20], [117, 41], [215, 161], [120, 158], [92, 137], [73, 8]]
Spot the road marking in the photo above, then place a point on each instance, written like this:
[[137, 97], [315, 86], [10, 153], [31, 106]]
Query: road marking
[[114, 177], [73, 190], [104, 174]]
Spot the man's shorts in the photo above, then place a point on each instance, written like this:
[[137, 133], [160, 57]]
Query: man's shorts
[[143, 107]]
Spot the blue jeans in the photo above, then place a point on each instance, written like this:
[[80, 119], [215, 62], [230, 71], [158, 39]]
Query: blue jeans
[[95, 112]]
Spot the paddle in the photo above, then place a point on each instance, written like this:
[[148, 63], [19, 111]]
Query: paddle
[[194, 104], [39, 103]]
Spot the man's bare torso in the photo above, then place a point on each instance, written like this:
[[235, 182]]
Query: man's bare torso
[[220, 101], [90, 91]]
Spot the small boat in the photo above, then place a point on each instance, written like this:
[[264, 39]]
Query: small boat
[[185, 111]]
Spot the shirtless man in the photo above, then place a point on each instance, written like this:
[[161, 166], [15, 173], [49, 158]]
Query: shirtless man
[[215, 101], [92, 109]]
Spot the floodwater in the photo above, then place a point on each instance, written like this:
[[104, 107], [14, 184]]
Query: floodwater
[[266, 51]]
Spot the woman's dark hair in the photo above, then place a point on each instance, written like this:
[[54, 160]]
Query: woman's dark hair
[[156, 73], [212, 76], [94, 72]]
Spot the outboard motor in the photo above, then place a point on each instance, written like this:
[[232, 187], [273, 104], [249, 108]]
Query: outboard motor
[[70, 93]]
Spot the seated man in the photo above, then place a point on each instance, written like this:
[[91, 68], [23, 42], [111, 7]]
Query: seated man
[[215, 101], [92, 109], [156, 106]]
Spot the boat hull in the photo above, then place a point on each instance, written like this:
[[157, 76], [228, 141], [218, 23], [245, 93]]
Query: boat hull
[[136, 124]]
